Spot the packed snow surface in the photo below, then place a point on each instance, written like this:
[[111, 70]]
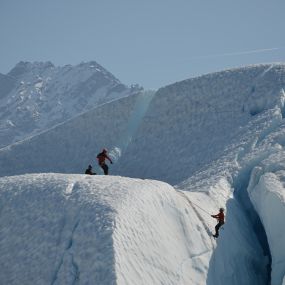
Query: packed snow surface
[[218, 140], [78, 229]]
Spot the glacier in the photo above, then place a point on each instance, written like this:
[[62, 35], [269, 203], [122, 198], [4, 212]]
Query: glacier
[[65, 229], [180, 153]]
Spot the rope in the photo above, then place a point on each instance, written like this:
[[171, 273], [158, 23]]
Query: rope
[[197, 213], [200, 208]]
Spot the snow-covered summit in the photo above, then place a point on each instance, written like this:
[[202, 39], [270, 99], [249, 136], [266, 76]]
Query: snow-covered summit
[[24, 67], [36, 96]]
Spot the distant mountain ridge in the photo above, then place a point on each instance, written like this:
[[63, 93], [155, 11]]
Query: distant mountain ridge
[[37, 96]]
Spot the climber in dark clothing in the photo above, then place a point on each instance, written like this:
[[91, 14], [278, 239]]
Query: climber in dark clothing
[[221, 220], [101, 157], [89, 170]]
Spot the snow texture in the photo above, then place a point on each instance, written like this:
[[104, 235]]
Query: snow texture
[[189, 124], [78, 229]]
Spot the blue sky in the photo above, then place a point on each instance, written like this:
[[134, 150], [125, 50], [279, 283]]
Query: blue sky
[[150, 42]]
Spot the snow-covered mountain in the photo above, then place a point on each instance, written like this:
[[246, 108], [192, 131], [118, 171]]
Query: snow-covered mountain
[[192, 123], [37, 96], [217, 139]]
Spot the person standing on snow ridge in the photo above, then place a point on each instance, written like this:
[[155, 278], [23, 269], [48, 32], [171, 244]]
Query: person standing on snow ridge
[[221, 220], [101, 157]]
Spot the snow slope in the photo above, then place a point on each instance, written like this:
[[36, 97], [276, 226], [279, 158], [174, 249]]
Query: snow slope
[[78, 229], [219, 139], [72, 146], [37, 96], [190, 124]]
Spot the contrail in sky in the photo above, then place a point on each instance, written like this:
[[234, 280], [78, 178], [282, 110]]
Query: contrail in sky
[[238, 53]]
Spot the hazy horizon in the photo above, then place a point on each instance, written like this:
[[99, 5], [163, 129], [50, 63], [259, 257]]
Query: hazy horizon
[[149, 43]]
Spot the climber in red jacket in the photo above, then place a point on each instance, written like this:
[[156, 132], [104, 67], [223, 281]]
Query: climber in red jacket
[[221, 220], [101, 157]]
